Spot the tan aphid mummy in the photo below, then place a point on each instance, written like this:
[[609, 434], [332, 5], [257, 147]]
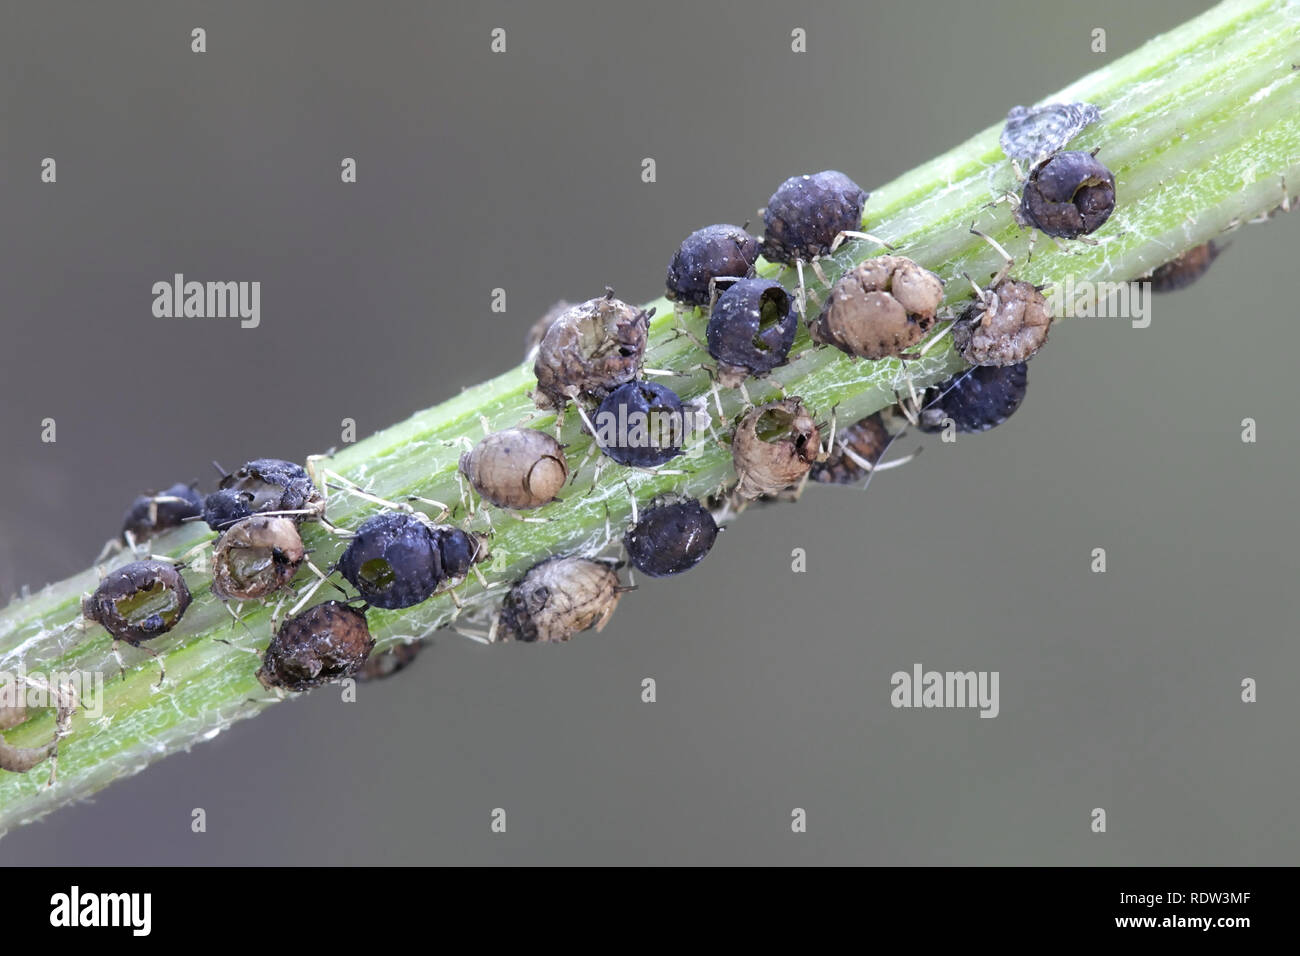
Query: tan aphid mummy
[[558, 598], [518, 468], [775, 445], [879, 309], [256, 557]]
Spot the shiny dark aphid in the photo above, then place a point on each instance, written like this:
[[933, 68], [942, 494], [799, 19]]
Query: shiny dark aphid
[[976, 401], [138, 601], [259, 486], [1068, 195], [806, 213], [393, 561], [150, 514], [752, 327], [707, 256], [671, 538], [640, 424], [324, 643]]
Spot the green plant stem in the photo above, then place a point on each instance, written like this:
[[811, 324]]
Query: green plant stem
[[1201, 127]]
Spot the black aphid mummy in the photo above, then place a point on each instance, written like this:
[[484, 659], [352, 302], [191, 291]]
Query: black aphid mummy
[[150, 514], [751, 328], [1068, 195], [977, 400], [806, 213], [708, 256], [259, 486], [138, 601]]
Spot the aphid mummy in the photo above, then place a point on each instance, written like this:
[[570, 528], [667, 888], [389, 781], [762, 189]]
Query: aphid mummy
[[326, 642], [519, 468]]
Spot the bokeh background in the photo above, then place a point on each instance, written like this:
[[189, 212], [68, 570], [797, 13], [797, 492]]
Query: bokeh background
[[522, 171]]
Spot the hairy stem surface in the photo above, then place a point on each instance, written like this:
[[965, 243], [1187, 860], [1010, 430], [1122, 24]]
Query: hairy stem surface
[[1201, 128]]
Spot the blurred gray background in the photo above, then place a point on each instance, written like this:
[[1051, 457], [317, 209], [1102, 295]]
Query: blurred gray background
[[522, 170]]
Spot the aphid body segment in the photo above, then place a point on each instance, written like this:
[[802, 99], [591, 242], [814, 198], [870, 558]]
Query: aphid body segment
[[859, 447], [751, 329], [324, 643], [1007, 326], [559, 598], [519, 468], [1068, 195], [977, 400], [255, 557], [879, 309], [671, 537], [807, 213], [641, 424], [138, 601], [591, 349], [1031, 134], [150, 514], [395, 659], [774, 447], [260, 486], [539, 328], [705, 258], [1182, 271]]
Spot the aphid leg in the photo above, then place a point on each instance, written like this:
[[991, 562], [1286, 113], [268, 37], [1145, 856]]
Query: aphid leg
[[935, 339], [238, 647], [853, 234], [354, 489], [744, 394], [817, 271], [979, 293], [483, 582], [111, 547], [561, 414], [801, 298], [308, 593], [443, 510], [1007, 259]]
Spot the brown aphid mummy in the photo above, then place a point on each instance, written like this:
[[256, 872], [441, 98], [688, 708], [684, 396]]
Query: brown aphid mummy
[[774, 447], [255, 557], [590, 349], [533, 340], [324, 643], [1182, 271], [518, 468], [558, 598], [1008, 325], [20, 759], [879, 309], [859, 448], [138, 601]]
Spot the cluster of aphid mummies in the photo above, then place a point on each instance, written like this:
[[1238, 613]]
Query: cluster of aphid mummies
[[591, 355]]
